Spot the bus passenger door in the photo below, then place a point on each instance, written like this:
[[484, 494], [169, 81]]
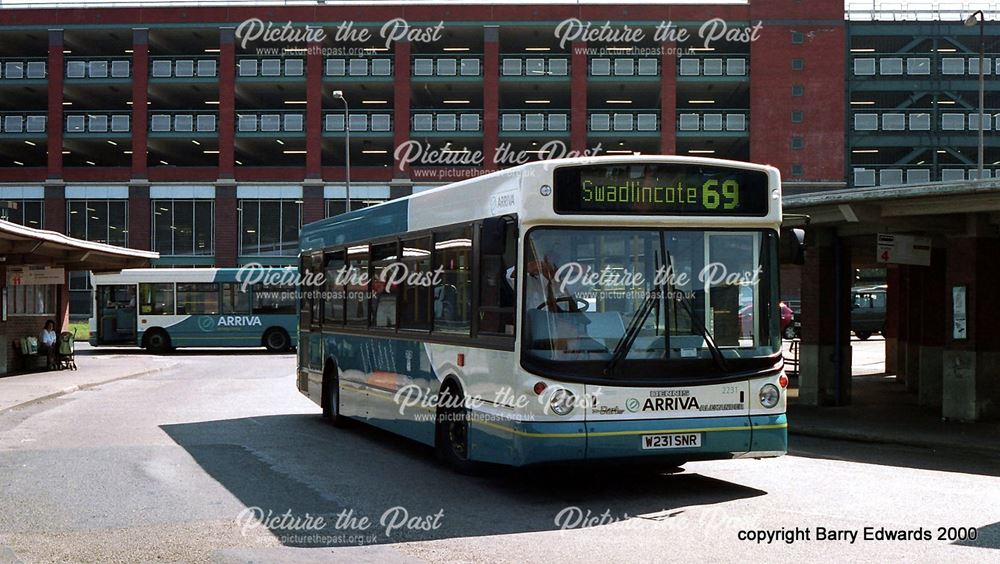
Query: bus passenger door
[[116, 314]]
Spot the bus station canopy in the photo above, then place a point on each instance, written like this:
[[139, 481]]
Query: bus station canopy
[[21, 245]]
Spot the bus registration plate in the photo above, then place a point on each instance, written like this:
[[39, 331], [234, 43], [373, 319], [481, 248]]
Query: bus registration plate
[[672, 440]]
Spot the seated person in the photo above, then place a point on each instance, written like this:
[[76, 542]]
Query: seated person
[[47, 343]]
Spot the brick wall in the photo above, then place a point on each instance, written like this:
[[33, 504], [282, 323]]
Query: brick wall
[[16, 327]]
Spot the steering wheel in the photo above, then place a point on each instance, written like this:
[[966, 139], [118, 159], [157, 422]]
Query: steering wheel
[[581, 304]]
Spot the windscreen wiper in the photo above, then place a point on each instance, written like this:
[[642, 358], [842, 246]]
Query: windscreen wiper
[[632, 332], [713, 348]]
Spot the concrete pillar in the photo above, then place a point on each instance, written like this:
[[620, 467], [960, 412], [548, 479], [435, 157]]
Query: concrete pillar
[[401, 104], [226, 226], [139, 236], [893, 312], [933, 331], [227, 107], [578, 96], [314, 111], [140, 110], [491, 96], [825, 360], [912, 319], [971, 365], [54, 128], [313, 206], [668, 98]]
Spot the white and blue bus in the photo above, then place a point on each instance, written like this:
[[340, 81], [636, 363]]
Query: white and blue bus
[[163, 308], [577, 309]]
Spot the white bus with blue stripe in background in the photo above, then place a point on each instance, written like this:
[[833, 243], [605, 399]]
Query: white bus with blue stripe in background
[[597, 308], [161, 309]]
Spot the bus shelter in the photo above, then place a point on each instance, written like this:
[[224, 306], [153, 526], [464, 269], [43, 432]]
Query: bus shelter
[[34, 280]]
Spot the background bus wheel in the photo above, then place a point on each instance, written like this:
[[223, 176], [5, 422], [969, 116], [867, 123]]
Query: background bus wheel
[[276, 340], [452, 432], [331, 397], [863, 335], [157, 341], [789, 332]]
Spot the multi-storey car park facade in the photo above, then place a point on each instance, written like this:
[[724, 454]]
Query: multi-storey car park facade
[[171, 129], [913, 94]]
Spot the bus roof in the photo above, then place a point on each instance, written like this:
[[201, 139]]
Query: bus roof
[[475, 198], [146, 275]]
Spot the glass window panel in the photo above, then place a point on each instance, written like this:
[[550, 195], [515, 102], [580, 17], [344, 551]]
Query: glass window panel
[[952, 122], [534, 66], [97, 221], [469, 122], [918, 65], [646, 122], [184, 68], [156, 299], [159, 122], [270, 67], [690, 67], [358, 122], [511, 67], [712, 67], [203, 227], [469, 67], [76, 69], [689, 122], [712, 122], [864, 67], [736, 122], [77, 219], [624, 67], [447, 67], [496, 293], [952, 174], [205, 122], [891, 66], [36, 124], [359, 67], [446, 122], [163, 234], [120, 123], [357, 294], [648, 67], [865, 122], [183, 227], [336, 67], [918, 176], [290, 224], [510, 122], [273, 300], [248, 67], [333, 300], [600, 67], [121, 69], [270, 122], [184, 122], [381, 122], [423, 122], [294, 122], [736, 67], [890, 177], [423, 67], [118, 222], [415, 299], [600, 122], [864, 177], [97, 123], [247, 122], [207, 68], [381, 67], [36, 69], [920, 122], [534, 122], [250, 227], [558, 122], [974, 122], [234, 299], [334, 122], [97, 69], [558, 67], [270, 227], [197, 299], [952, 65], [13, 124], [75, 124], [385, 296], [974, 66], [893, 122], [13, 69]]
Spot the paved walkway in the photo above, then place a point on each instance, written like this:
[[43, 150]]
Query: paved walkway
[[95, 367]]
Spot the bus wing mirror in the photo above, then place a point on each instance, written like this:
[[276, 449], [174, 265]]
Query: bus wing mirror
[[493, 240], [792, 246]]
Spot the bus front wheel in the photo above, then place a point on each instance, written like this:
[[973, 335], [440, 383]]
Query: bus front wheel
[[452, 430], [276, 340], [157, 341], [331, 396]]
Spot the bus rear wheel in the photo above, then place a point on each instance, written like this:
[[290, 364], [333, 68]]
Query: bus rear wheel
[[276, 340], [452, 431], [157, 341]]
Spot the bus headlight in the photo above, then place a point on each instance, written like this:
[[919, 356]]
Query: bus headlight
[[562, 401], [769, 395]]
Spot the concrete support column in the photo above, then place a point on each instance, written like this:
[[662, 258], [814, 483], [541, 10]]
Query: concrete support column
[[912, 320], [54, 128], [491, 95], [401, 105], [314, 110], [933, 330], [55, 208], [140, 110], [578, 96], [825, 359], [893, 311], [227, 105], [227, 226], [139, 218], [971, 365], [313, 207], [668, 98]]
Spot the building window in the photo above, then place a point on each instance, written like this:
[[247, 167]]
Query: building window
[[270, 227], [797, 90], [30, 299], [339, 206], [22, 212], [101, 221], [798, 38], [797, 170], [183, 227], [797, 142], [796, 117], [798, 64]]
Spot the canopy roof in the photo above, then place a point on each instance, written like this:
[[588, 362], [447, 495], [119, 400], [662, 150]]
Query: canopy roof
[[21, 245]]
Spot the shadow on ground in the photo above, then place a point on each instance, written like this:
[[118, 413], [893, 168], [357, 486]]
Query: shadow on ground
[[298, 464]]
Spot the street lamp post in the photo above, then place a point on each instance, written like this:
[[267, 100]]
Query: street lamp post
[[339, 95], [972, 20]]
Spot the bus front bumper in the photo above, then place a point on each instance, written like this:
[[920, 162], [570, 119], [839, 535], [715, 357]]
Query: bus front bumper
[[523, 443]]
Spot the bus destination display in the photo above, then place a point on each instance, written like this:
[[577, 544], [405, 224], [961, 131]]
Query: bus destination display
[[661, 189]]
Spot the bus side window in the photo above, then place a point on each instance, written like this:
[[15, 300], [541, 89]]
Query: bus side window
[[357, 292], [385, 294], [453, 291], [415, 292], [234, 299], [496, 296], [156, 299], [333, 299]]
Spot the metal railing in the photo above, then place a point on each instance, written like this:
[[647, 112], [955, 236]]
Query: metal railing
[[640, 120], [423, 65], [446, 121], [624, 66], [333, 121], [98, 67], [898, 175], [358, 66], [557, 120], [23, 122], [270, 67], [712, 66], [98, 122], [922, 120], [183, 121], [926, 11], [713, 120], [183, 67], [533, 66], [28, 68], [942, 63], [269, 121]]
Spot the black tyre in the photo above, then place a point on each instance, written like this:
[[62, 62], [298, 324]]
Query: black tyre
[[452, 431], [331, 397], [157, 341], [790, 332], [863, 335], [276, 340]]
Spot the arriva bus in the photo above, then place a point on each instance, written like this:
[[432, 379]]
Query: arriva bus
[[163, 308], [592, 308]]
